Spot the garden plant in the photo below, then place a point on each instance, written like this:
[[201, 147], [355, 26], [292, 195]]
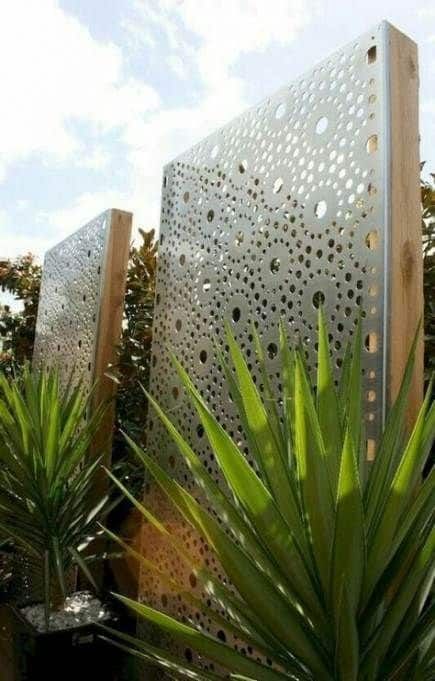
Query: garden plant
[[330, 555], [50, 489]]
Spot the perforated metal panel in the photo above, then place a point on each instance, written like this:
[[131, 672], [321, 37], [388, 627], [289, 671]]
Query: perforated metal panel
[[72, 285], [285, 207]]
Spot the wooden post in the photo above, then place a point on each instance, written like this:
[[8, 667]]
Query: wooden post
[[406, 277], [110, 321]]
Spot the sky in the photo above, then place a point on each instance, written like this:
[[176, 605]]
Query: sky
[[97, 95]]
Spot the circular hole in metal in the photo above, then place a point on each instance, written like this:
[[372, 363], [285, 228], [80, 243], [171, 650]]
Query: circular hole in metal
[[322, 125], [372, 144], [182, 259], [371, 342], [371, 55], [243, 166], [320, 209], [210, 215], [186, 197], [318, 299], [240, 237], [178, 324], [277, 185], [236, 314], [280, 111], [203, 356], [272, 350], [275, 264], [372, 240], [206, 285]]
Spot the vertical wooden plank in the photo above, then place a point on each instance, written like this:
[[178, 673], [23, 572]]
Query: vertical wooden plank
[[110, 320], [107, 337], [406, 276]]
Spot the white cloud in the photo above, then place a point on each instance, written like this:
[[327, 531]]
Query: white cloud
[[69, 76], [426, 12], [223, 30], [65, 220], [53, 226], [97, 158], [53, 73], [177, 65], [208, 38]]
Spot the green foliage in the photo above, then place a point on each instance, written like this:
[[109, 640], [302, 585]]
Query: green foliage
[[134, 356], [134, 351], [331, 557], [22, 279], [428, 212], [49, 489]]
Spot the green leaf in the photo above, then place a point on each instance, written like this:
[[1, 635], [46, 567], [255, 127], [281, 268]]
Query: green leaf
[[354, 391], [239, 625], [278, 614], [347, 646], [310, 454], [157, 656], [328, 405], [348, 548], [398, 496], [271, 406], [203, 643], [255, 499], [422, 631], [287, 361], [395, 613], [384, 466], [83, 567], [260, 428]]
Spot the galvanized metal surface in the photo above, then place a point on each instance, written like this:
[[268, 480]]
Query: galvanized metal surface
[[69, 305], [281, 209]]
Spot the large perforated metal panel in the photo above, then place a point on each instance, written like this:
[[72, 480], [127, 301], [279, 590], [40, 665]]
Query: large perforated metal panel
[[284, 208], [73, 281]]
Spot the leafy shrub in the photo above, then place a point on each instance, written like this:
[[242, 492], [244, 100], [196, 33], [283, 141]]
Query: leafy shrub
[[22, 279], [134, 351], [50, 498], [331, 556]]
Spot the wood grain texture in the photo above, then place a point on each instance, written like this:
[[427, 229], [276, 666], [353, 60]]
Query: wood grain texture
[[110, 322], [108, 336], [406, 275]]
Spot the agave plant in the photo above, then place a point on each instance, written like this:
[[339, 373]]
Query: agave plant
[[49, 490], [330, 556]]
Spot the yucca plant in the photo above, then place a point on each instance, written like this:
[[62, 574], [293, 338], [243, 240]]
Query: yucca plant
[[330, 556], [50, 498]]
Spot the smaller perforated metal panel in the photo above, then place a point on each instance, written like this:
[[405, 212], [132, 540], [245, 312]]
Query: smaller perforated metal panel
[[69, 306], [284, 208]]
